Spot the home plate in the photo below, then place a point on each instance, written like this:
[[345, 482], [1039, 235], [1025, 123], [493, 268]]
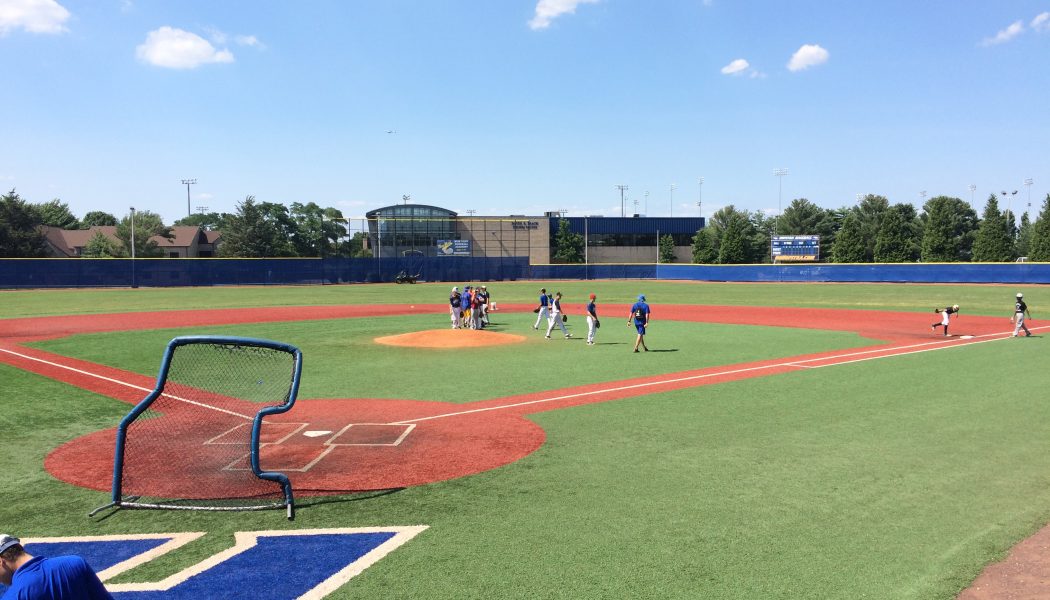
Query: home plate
[[966, 337], [313, 434]]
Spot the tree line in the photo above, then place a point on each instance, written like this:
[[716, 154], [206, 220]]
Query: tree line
[[254, 230], [873, 231]]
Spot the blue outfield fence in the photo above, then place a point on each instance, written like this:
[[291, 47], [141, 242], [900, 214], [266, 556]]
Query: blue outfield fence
[[166, 272]]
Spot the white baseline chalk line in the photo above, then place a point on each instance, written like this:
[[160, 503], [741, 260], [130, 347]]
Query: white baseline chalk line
[[938, 345], [124, 383]]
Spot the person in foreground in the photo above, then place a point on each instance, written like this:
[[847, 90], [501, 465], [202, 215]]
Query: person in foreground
[[39, 578], [640, 316]]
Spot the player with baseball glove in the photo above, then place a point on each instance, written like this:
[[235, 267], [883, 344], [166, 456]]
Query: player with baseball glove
[[592, 319], [945, 313]]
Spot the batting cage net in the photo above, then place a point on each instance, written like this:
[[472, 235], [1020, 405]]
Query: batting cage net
[[194, 442]]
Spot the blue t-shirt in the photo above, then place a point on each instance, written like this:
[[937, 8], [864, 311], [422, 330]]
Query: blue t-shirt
[[543, 299], [58, 578], [591, 310], [640, 312], [464, 300]]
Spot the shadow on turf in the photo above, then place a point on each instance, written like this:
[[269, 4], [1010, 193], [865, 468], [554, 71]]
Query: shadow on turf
[[318, 501]]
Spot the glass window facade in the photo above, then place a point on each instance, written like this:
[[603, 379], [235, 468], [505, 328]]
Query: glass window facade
[[410, 229]]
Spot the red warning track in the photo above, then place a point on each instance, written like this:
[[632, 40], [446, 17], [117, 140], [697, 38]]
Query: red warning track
[[336, 446]]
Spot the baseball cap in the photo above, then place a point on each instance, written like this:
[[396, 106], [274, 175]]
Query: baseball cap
[[955, 306], [484, 287], [592, 296], [455, 288], [7, 541], [1020, 295], [544, 290], [641, 297]]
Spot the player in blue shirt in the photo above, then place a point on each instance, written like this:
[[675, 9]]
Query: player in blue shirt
[[544, 308], [640, 316], [35, 577], [592, 319]]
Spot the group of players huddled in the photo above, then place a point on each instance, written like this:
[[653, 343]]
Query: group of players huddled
[[470, 308]]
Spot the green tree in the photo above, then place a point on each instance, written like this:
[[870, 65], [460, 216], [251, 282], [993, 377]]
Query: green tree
[[994, 241], [870, 212], [949, 226], [736, 242], [1024, 236], [147, 225], [20, 235], [57, 214], [357, 246], [1039, 245], [849, 244], [256, 231], [100, 246], [891, 245], [97, 217], [803, 217], [704, 248], [755, 238], [666, 244], [211, 221], [568, 246]]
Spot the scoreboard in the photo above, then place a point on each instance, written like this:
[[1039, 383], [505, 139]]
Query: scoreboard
[[795, 248]]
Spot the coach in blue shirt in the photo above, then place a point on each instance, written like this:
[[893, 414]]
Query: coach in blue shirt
[[38, 578]]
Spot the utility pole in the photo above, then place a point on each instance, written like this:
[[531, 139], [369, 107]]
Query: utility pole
[[973, 188], [1028, 184], [188, 183], [623, 208]]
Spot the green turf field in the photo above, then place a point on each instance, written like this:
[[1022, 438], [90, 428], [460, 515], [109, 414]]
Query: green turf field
[[893, 478]]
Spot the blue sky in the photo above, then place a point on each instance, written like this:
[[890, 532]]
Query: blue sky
[[522, 106]]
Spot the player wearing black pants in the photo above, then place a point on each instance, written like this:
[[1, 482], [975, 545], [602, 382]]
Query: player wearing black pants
[[945, 313]]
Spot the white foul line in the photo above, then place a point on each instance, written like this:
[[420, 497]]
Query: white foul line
[[939, 345], [125, 383]]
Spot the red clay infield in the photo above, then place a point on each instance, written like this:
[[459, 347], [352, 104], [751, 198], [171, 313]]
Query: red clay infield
[[353, 444]]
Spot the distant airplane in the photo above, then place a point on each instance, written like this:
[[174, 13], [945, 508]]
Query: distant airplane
[[391, 131]]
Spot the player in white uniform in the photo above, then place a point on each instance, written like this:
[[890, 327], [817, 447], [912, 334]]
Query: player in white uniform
[[1020, 310], [556, 317]]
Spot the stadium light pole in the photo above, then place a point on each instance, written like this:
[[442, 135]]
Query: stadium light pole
[[647, 203], [188, 183], [700, 199], [622, 188], [1028, 184], [973, 188], [673, 186], [779, 173], [133, 284]]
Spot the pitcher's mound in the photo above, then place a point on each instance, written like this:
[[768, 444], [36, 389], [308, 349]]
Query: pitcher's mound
[[450, 338]]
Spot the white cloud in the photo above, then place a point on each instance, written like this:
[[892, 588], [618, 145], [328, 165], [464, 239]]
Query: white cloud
[[249, 40], [736, 67], [178, 49], [809, 55], [1005, 35], [34, 16], [1041, 22], [548, 10]]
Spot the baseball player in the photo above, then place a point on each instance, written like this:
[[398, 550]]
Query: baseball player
[[543, 310], [945, 313], [1020, 310], [454, 309], [640, 316], [484, 305], [556, 318], [592, 319]]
